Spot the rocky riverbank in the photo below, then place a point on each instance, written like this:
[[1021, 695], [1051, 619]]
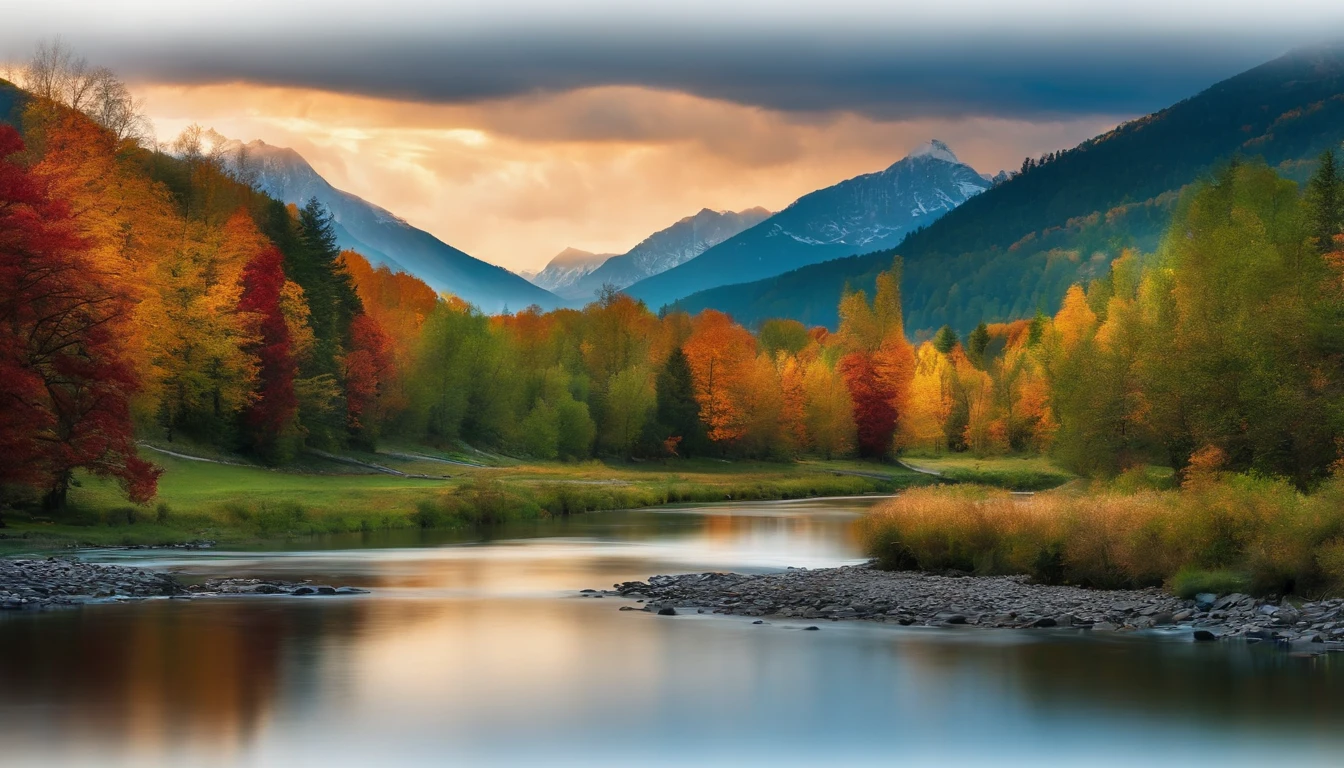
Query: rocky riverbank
[[53, 582], [924, 599]]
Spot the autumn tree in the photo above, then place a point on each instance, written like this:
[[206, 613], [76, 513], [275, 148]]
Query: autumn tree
[[270, 419], [788, 336], [719, 353], [1238, 301], [368, 370], [930, 401], [65, 380], [828, 411], [874, 414]]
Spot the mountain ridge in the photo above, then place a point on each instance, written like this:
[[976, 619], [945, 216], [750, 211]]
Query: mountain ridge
[[1016, 248], [566, 268], [667, 248], [856, 215], [384, 237]]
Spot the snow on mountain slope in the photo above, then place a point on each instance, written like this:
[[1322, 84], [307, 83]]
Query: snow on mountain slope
[[866, 213], [667, 248], [383, 237], [564, 271]]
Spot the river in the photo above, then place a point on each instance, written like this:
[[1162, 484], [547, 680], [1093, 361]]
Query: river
[[478, 651]]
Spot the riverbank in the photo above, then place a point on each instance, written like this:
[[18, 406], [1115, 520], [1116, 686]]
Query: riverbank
[[239, 504], [913, 598], [58, 583]]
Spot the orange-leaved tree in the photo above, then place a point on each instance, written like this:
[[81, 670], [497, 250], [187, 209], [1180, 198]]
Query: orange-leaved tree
[[719, 352]]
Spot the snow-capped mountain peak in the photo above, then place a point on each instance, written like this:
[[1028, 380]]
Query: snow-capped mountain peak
[[935, 149], [567, 268], [871, 212]]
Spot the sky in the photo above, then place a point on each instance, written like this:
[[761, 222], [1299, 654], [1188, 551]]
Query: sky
[[512, 129]]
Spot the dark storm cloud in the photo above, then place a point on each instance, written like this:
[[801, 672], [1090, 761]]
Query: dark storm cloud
[[895, 76]]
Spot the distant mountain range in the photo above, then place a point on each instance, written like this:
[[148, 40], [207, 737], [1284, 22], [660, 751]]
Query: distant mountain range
[[566, 269], [862, 214], [661, 251], [386, 239], [1018, 247]]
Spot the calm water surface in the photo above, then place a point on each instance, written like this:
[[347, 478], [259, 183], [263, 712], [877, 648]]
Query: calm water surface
[[483, 653]]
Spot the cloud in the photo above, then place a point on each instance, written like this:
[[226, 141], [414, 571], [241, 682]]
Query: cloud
[[1038, 58]]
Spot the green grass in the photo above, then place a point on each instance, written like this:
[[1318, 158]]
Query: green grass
[[247, 504], [1014, 473], [1191, 581]]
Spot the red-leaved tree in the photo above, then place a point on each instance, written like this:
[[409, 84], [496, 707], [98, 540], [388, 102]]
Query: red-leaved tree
[[874, 412], [65, 380], [368, 367], [271, 417]]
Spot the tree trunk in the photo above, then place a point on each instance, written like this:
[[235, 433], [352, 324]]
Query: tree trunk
[[55, 499]]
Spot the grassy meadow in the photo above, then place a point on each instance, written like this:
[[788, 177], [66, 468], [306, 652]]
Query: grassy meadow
[[1014, 473], [237, 504]]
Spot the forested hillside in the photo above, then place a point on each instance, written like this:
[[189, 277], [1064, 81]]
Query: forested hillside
[[1018, 247]]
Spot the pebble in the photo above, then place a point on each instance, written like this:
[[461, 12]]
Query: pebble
[[862, 592], [55, 582]]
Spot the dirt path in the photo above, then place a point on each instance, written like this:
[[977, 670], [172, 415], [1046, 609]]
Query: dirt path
[[371, 465], [436, 459], [189, 457], [920, 470]]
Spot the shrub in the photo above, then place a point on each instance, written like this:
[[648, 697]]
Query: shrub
[[1229, 533]]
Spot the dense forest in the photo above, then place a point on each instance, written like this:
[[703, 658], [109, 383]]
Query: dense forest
[[152, 295], [1018, 247]]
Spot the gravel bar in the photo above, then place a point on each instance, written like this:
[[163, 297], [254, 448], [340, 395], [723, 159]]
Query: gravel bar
[[1007, 602], [55, 582]]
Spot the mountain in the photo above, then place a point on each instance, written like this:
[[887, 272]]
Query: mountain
[[563, 272], [865, 213], [383, 237], [1019, 246], [668, 248]]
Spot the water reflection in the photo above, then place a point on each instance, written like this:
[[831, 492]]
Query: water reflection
[[481, 653]]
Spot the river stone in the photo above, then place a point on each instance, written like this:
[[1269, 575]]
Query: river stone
[[667, 611], [1204, 636], [1205, 600], [304, 591]]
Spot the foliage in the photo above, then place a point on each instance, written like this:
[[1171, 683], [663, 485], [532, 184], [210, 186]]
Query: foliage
[[271, 416], [66, 378]]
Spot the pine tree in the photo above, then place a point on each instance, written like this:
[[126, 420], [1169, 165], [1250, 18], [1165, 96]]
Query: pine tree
[[978, 342], [945, 340], [333, 304], [677, 414], [1325, 203]]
